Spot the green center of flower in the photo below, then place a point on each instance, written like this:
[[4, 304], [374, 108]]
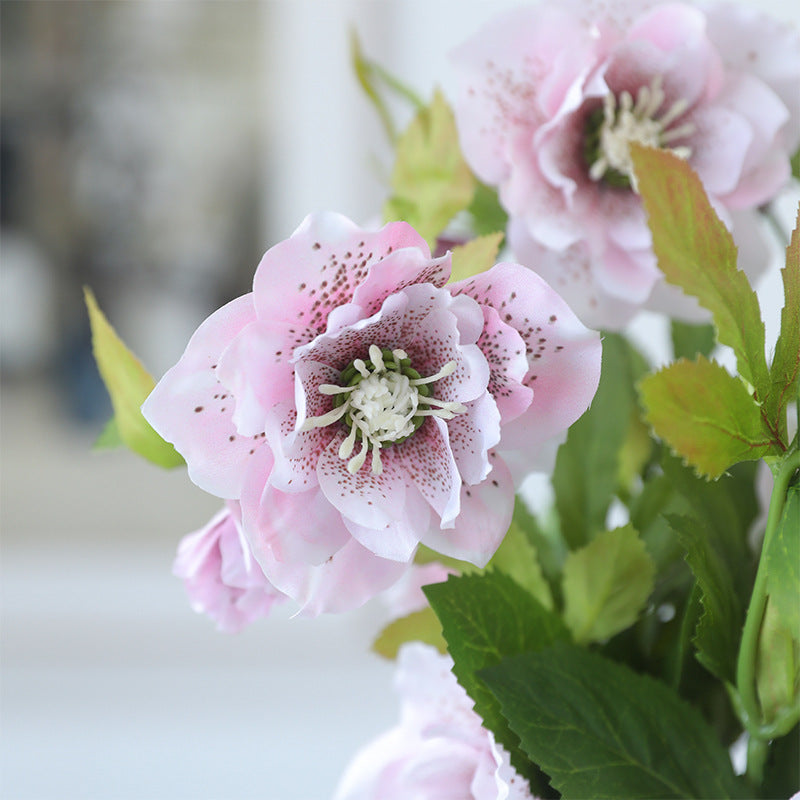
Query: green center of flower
[[382, 401], [620, 121]]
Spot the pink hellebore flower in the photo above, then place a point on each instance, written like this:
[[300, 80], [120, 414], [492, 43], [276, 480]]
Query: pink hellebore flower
[[355, 406], [221, 577], [553, 94], [439, 751]]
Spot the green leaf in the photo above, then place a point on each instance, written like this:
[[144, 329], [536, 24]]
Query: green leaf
[[705, 415], [516, 557], [696, 252], [420, 626], [796, 165], [486, 618], [128, 384], [109, 437], [714, 535], [587, 467], [475, 256], [545, 540], [786, 363], [487, 214], [431, 182], [602, 731], [374, 79], [606, 585], [689, 341], [782, 772], [783, 563]]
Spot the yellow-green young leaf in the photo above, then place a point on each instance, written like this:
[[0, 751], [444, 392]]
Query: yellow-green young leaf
[[476, 256], [606, 584], [705, 415], [431, 182], [696, 252], [109, 437], [777, 664], [419, 626], [786, 363], [128, 384]]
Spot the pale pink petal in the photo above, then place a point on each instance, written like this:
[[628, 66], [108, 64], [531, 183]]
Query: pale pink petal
[[190, 408], [328, 257], [255, 368], [406, 596], [485, 516], [429, 466], [349, 578], [472, 435]]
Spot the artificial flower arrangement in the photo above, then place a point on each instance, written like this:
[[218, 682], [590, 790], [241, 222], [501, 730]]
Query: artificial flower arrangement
[[368, 412]]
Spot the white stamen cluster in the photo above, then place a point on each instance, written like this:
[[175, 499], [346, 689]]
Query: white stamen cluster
[[382, 407], [629, 122]]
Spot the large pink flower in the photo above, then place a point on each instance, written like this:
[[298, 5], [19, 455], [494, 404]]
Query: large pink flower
[[355, 406], [439, 750], [553, 94]]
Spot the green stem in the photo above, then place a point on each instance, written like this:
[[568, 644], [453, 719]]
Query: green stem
[[757, 750], [748, 650], [768, 213]]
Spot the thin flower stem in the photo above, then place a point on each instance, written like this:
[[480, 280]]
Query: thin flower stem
[[781, 235], [748, 650]]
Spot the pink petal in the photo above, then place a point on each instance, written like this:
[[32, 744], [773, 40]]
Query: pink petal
[[190, 408], [473, 434], [430, 467], [345, 581], [329, 257], [486, 511]]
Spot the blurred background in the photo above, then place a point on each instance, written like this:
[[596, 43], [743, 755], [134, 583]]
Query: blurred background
[[153, 150]]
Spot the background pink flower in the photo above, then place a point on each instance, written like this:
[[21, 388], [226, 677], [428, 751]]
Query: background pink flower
[[222, 578], [553, 93], [355, 406], [439, 749]]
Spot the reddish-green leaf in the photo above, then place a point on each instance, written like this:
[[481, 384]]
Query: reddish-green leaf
[[696, 252], [705, 415]]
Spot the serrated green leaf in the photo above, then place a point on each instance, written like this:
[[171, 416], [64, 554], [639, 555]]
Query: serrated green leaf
[[689, 341], [606, 585], [785, 370], [546, 540], [486, 618], [588, 464], [517, 558], [419, 626], [109, 437], [714, 535], [705, 415], [777, 663], [696, 252], [430, 182], [128, 384], [475, 256], [783, 563], [600, 730]]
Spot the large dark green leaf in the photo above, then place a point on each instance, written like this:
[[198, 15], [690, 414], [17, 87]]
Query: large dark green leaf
[[486, 618], [585, 478], [600, 730]]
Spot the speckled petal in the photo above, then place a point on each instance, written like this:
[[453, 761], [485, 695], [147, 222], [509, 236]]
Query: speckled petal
[[190, 408], [303, 278], [472, 435], [486, 511]]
